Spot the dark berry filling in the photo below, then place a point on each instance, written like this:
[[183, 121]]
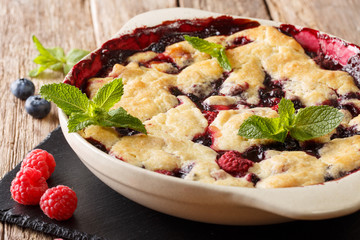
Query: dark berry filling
[[255, 153], [353, 67], [253, 178], [239, 41], [182, 172], [341, 175], [161, 58], [97, 144], [354, 110], [204, 139], [343, 132], [238, 89], [198, 97], [351, 107], [125, 131], [216, 108], [271, 94]]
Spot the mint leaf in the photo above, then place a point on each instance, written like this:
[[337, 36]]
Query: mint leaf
[[57, 52], [213, 49], [109, 94], [67, 97], [308, 123], [78, 121], [35, 72], [224, 61], [120, 118], [55, 59], [56, 67], [286, 112], [43, 60], [67, 68], [76, 55], [260, 127], [42, 50], [73, 57], [83, 112], [315, 121]]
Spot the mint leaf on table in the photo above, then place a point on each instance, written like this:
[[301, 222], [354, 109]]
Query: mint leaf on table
[[55, 58], [308, 123], [73, 57], [213, 49], [84, 112]]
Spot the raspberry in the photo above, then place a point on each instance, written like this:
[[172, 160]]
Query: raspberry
[[275, 107], [210, 116], [28, 186], [232, 162], [59, 202], [40, 160]]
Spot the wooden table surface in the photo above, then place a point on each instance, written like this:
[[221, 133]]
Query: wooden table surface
[[87, 23]]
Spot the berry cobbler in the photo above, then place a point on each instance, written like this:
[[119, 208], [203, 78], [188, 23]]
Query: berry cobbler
[[192, 108]]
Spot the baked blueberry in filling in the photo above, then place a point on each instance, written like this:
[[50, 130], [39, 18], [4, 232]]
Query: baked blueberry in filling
[[272, 93], [204, 139], [126, 131], [239, 41], [344, 132], [97, 144]]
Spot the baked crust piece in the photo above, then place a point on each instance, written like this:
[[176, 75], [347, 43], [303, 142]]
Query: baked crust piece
[[192, 110]]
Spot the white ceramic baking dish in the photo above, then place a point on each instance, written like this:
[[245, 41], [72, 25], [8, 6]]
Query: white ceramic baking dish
[[206, 202]]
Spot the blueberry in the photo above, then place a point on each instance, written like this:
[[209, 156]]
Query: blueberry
[[37, 106], [22, 88]]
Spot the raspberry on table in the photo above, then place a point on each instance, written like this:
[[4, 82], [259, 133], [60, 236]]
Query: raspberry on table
[[40, 160], [28, 186], [59, 202], [232, 162]]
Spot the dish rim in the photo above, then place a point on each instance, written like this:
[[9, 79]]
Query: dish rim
[[300, 208]]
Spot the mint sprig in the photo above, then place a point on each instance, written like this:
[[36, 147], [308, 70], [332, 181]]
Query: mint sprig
[[55, 58], [308, 123], [213, 49], [84, 112]]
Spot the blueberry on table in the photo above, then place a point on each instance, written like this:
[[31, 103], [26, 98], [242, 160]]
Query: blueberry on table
[[37, 106], [22, 88]]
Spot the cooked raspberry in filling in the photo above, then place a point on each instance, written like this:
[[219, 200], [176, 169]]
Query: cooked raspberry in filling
[[192, 108]]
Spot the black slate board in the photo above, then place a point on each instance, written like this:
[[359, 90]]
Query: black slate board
[[104, 214]]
